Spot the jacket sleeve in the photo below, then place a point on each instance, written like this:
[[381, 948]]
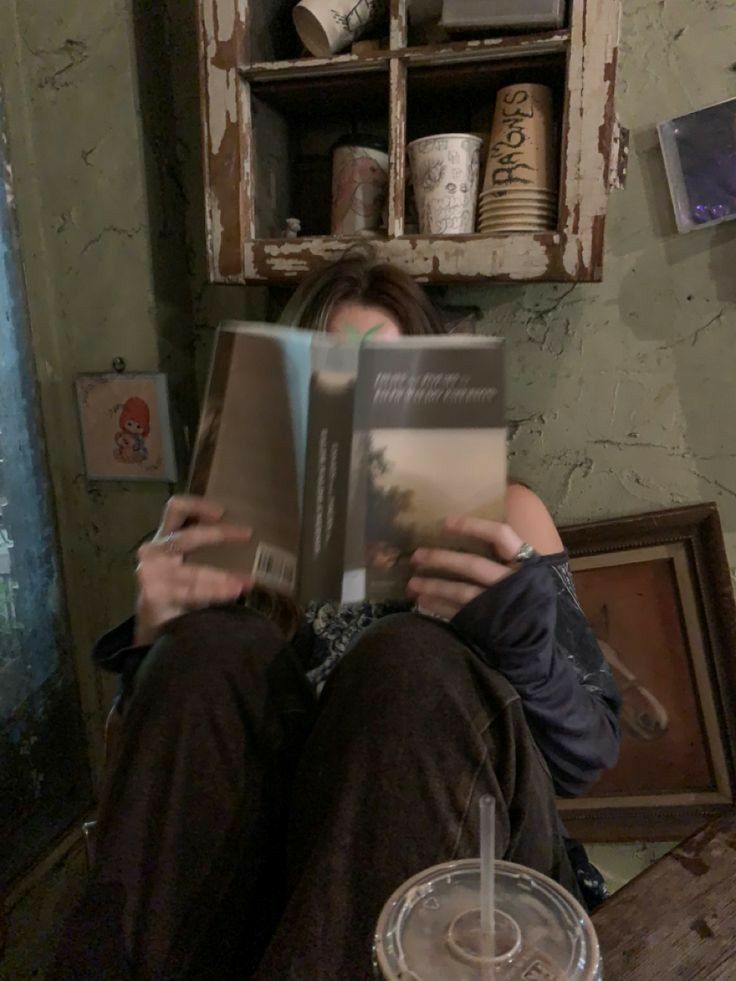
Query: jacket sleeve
[[116, 651], [531, 629]]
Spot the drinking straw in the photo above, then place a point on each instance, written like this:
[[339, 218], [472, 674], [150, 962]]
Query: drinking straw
[[487, 884]]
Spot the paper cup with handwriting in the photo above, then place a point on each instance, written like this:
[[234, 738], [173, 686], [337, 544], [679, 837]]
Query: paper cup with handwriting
[[328, 26], [521, 153], [445, 173], [359, 184]]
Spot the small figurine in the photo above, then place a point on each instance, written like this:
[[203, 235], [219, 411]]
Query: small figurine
[[293, 228]]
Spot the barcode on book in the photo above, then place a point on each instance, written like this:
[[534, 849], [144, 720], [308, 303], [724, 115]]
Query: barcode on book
[[274, 567]]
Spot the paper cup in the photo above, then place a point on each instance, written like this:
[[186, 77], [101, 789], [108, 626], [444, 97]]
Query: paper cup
[[517, 209], [542, 216], [529, 205], [485, 224], [525, 204], [535, 213], [328, 26], [521, 217], [528, 195], [523, 207], [521, 153], [517, 205], [359, 184], [445, 172], [526, 223], [514, 227], [526, 216]]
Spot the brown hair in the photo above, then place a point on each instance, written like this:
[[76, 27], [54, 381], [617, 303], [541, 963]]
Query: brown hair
[[358, 277]]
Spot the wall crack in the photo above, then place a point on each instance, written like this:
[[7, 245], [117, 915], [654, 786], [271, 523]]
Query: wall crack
[[112, 230]]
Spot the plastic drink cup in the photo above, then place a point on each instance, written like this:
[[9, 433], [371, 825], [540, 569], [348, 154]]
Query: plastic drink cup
[[429, 930]]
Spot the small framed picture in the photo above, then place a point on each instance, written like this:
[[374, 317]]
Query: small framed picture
[[126, 426], [656, 589]]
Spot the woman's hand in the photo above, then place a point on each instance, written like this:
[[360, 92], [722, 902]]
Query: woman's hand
[[446, 597], [167, 586]]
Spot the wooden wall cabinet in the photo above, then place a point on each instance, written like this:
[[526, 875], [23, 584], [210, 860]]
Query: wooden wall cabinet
[[270, 117]]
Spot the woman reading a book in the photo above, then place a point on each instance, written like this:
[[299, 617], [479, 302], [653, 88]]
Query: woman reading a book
[[280, 773]]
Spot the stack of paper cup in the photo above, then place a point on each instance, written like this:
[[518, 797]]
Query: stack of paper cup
[[520, 191]]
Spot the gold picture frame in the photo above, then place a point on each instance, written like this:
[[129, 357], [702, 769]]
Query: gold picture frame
[[657, 591]]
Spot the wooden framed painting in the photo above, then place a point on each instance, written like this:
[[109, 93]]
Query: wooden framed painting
[[657, 591], [126, 426]]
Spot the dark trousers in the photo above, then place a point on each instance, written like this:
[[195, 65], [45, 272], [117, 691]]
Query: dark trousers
[[249, 829]]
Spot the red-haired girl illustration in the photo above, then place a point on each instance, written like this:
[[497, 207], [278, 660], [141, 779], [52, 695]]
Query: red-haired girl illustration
[[135, 425]]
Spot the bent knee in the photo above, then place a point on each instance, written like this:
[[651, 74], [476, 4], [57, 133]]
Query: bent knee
[[197, 647], [412, 668], [407, 649]]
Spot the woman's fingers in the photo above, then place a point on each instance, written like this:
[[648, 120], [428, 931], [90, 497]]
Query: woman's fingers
[[179, 543], [453, 595], [474, 568], [501, 537], [167, 590], [198, 536], [196, 586], [188, 507], [167, 586], [435, 584], [433, 607], [160, 580]]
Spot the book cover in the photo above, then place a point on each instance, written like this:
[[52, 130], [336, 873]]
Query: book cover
[[249, 453], [345, 457], [429, 443]]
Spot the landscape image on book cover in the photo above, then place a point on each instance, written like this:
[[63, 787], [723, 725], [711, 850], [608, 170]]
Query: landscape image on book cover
[[407, 503], [429, 442]]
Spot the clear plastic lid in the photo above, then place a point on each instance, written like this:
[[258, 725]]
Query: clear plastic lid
[[429, 930]]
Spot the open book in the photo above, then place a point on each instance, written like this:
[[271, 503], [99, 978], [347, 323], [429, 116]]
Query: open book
[[346, 456]]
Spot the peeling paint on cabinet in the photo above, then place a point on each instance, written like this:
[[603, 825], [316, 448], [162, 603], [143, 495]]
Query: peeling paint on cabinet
[[573, 253]]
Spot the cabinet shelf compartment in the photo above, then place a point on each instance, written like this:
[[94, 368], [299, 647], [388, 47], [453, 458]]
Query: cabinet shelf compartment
[[461, 98], [294, 129], [271, 37], [270, 116]]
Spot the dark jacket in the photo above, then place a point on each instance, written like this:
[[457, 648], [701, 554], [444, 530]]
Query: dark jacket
[[530, 627]]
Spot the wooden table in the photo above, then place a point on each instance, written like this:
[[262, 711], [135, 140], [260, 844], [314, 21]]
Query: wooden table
[[677, 920]]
